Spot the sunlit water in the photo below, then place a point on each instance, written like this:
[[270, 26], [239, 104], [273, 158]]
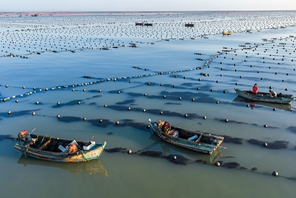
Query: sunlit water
[[47, 59]]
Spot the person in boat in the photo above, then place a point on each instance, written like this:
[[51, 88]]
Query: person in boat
[[166, 127], [255, 88], [273, 93], [72, 148]]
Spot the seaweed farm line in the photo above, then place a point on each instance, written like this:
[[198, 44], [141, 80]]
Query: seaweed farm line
[[79, 75]]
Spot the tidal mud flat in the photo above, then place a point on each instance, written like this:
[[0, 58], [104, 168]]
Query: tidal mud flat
[[101, 74]]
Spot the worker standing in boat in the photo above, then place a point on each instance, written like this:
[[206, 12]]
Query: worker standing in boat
[[255, 88]]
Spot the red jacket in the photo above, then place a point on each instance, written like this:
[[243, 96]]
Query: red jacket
[[255, 89]]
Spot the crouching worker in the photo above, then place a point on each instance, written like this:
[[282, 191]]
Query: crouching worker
[[255, 89], [72, 148], [166, 127], [273, 93]]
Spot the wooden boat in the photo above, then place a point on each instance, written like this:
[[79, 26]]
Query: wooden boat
[[56, 149], [196, 141], [265, 97]]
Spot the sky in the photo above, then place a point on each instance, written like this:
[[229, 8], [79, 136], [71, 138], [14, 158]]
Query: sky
[[144, 5]]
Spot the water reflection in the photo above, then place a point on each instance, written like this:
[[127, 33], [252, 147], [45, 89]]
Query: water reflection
[[91, 167]]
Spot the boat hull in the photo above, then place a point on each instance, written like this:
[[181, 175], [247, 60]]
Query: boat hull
[[265, 97]]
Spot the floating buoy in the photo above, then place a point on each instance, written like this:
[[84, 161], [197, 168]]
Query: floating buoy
[[6, 86], [33, 113], [73, 90], [58, 103], [186, 115], [226, 120], [274, 173], [129, 108], [117, 123], [148, 126], [224, 91], [160, 84], [16, 101], [37, 102], [247, 105], [204, 117], [274, 109], [144, 110], [105, 105], [84, 90], [197, 88], [84, 119], [174, 157], [211, 90], [148, 83], [23, 87], [192, 99], [130, 152], [160, 112], [218, 164], [217, 102], [78, 102], [118, 92], [99, 91], [164, 96], [286, 89], [101, 120], [265, 126], [46, 89], [9, 112], [180, 98], [34, 88], [265, 144], [145, 94]]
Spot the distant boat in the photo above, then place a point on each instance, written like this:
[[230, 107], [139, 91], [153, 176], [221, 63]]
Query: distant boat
[[265, 97], [56, 149], [227, 33], [195, 141]]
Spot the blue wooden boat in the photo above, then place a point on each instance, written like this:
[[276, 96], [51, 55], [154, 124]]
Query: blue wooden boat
[[56, 149], [265, 97], [195, 141]]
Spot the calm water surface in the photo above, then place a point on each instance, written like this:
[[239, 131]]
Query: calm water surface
[[166, 62]]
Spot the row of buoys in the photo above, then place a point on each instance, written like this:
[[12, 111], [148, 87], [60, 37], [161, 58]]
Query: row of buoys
[[160, 30]]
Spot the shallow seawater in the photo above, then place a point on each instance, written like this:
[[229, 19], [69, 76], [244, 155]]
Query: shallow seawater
[[178, 74]]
